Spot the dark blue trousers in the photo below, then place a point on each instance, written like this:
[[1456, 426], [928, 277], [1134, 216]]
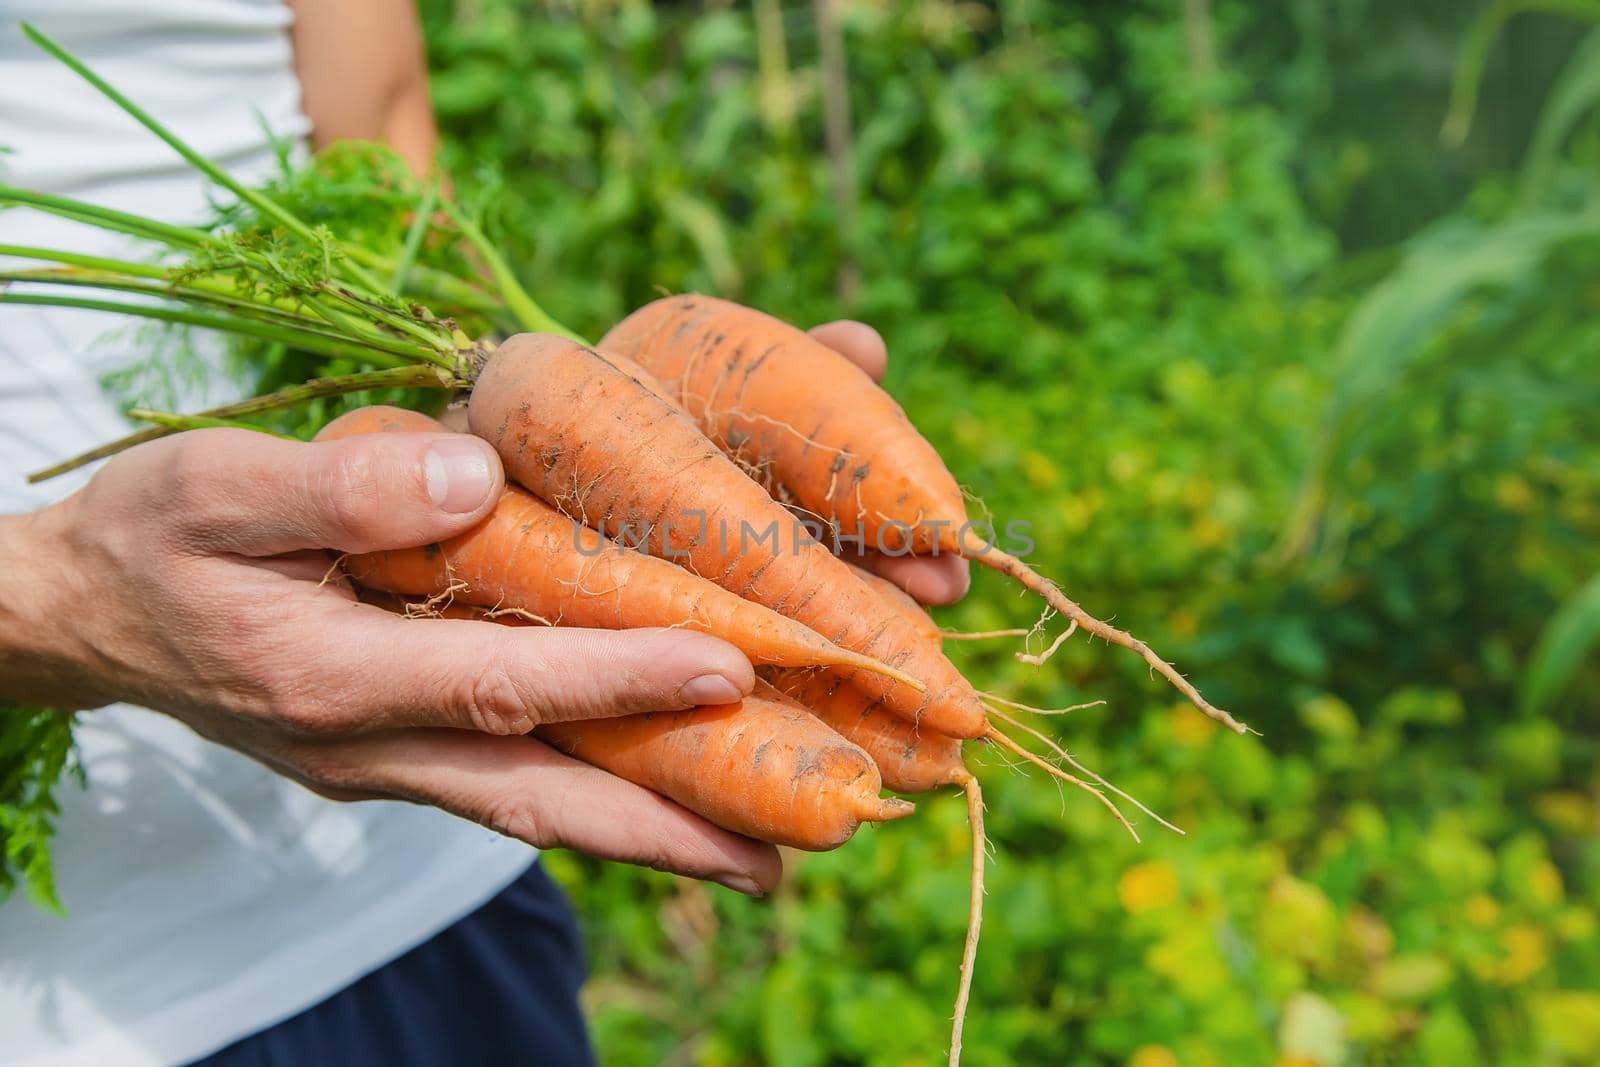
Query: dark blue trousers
[[498, 987]]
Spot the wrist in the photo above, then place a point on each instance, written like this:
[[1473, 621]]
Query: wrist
[[37, 665]]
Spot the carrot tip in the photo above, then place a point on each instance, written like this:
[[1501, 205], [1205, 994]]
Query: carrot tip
[[867, 663], [886, 809]]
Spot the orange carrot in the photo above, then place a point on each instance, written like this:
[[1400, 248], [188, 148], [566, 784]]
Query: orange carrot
[[831, 440], [581, 433], [528, 557], [765, 767], [903, 605], [910, 760], [759, 768]]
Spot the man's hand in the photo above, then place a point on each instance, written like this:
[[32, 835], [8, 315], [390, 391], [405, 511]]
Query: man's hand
[[930, 579], [191, 576]]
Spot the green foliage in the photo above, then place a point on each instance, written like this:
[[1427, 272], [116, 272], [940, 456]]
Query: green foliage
[[36, 752], [1134, 290], [1569, 639], [1125, 271]]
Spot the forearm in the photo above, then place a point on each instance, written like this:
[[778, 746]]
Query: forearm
[[382, 98]]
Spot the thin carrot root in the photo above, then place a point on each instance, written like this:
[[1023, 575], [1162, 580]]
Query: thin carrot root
[[433, 607], [1014, 568], [846, 658], [992, 698], [335, 572], [969, 951], [517, 613], [1010, 745], [1038, 660], [981, 635], [1066, 756]]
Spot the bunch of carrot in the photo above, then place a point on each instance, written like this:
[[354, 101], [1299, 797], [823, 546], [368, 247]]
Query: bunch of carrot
[[668, 417]]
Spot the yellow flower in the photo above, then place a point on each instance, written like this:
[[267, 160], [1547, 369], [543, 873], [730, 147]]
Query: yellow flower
[[1368, 934], [1575, 924], [1147, 886], [1126, 465], [1544, 884], [1525, 951], [1040, 472], [1569, 1020], [1299, 921], [1513, 492], [1568, 811], [1483, 910], [1412, 976], [1207, 532], [1190, 728], [1152, 1056]]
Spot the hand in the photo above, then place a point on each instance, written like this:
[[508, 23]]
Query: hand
[[189, 576], [930, 579]]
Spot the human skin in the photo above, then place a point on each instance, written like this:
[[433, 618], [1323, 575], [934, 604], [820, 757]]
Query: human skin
[[190, 577], [385, 98]]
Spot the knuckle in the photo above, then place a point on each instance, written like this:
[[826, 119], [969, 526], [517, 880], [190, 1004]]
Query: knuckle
[[195, 487], [521, 818], [289, 675], [307, 718], [328, 774], [302, 710], [495, 705], [661, 858], [347, 490], [493, 701], [188, 473], [188, 489]]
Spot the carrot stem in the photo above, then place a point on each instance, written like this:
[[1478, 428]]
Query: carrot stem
[[254, 197], [319, 342], [100, 264], [199, 422], [414, 237], [527, 310], [415, 376], [210, 294], [104, 218]]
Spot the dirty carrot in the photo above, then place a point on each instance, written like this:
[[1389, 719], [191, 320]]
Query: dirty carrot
[[581, 433], [528, 557], [760, 768], [828, 438]]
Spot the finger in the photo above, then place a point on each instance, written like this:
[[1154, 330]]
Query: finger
[[380, 671], [524, 789], [941, 579], [857, 342], [237, 491]]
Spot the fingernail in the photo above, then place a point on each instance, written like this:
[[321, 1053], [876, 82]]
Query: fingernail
[[742, 883], [458, 474], [709, 689]]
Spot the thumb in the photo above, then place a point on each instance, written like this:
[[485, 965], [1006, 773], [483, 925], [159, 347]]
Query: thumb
[[247, 493]]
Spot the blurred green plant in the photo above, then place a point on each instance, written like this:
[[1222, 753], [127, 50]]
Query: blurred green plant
[[1105, 246]]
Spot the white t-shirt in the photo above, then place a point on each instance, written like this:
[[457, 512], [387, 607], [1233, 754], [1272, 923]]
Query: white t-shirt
[[207, 897]]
